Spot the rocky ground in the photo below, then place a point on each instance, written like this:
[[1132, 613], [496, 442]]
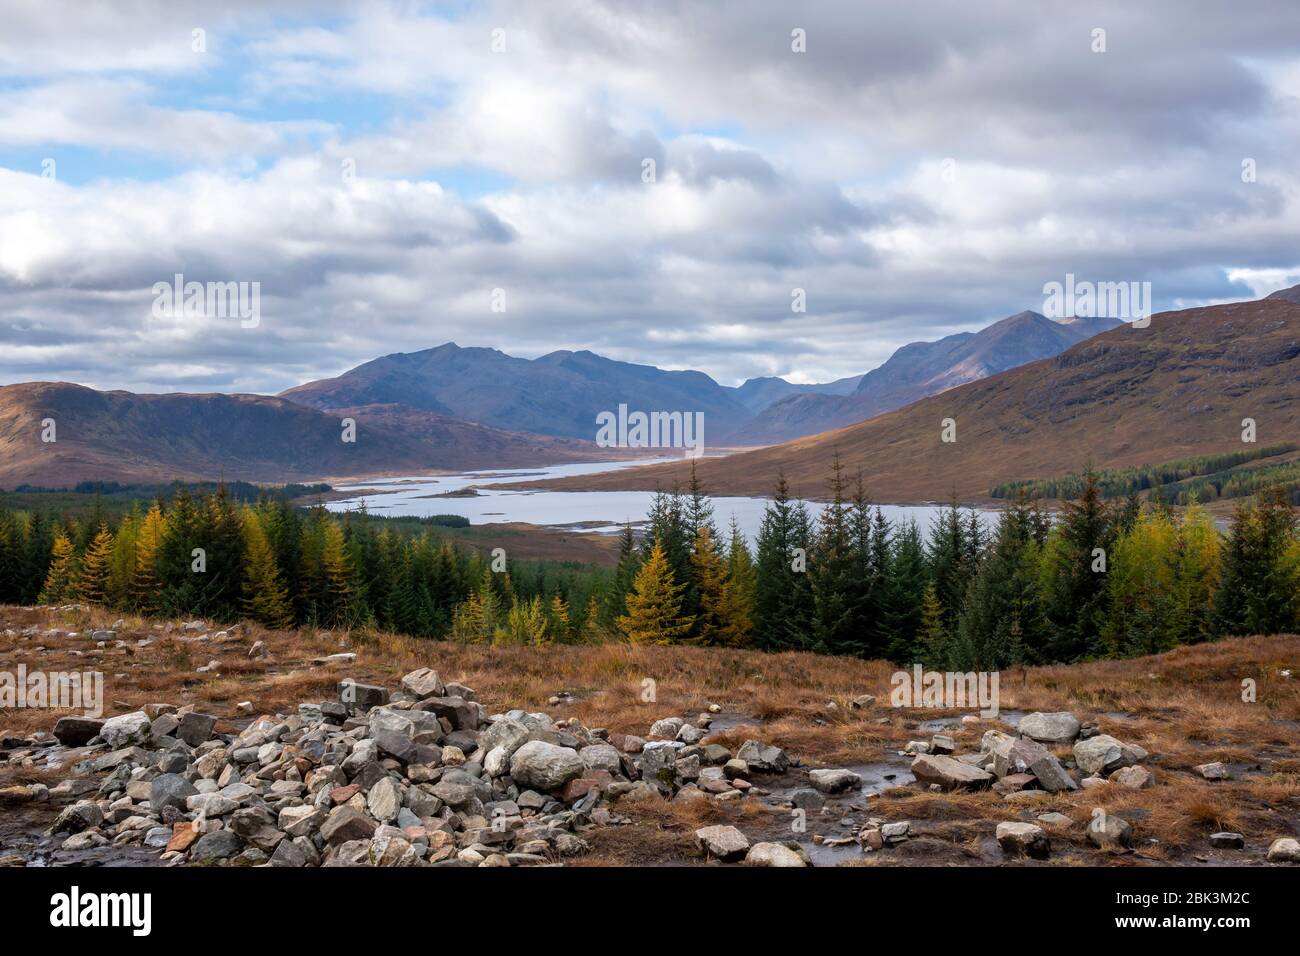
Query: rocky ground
[[422, 770]]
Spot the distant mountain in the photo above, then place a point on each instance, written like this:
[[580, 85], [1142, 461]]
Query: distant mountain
[[1130, 396], [558, 394], [921, 369], [757, 394], [120, 436]]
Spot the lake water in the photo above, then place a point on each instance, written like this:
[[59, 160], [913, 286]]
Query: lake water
[[598, 512]]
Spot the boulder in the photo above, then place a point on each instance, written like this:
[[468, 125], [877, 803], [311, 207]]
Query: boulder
[[948, 773], [601, 757], [834, 781], [544, 766], [217, 845], [773, 854], [1103, 754], [1214, 771], [196, 728], [721, 841], [170, 790], [423, 683], [763, 757], [1020, 755], [126, 730], [1023, 839], [77, 731], [1107, 830], [1284, 850], [1055, 728], [384, 800], [1135, 778], [1227, 840], [667, 727]]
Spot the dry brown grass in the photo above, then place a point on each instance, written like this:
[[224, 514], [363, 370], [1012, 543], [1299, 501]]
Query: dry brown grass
[[1184, 707]]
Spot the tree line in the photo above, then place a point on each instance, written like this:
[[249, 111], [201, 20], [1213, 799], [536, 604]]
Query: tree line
[[1104, 578]]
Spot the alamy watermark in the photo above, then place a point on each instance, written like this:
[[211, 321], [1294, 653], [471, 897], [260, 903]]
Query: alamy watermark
[[209, 300], [626, 429], [59, 690], [1092, 300], [946, 689]]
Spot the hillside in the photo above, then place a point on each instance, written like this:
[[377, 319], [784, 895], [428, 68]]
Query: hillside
[[1126, 397], [557, 394], [120, 436], [921, 369]]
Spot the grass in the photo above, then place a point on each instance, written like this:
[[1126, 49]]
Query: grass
[[1185, 707]]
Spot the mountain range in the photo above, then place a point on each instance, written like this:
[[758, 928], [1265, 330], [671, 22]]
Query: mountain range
[[1182, 386], [921, 369], [455, 408]]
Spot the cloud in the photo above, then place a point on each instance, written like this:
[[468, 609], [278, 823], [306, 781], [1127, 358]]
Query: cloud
[[381, 168]]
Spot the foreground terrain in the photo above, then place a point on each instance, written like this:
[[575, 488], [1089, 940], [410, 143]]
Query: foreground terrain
[[620, 755]]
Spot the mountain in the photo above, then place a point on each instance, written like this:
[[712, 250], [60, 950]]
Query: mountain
[[1130, 396], [120, 436], [921, 369], [557, 394], [757, 394]]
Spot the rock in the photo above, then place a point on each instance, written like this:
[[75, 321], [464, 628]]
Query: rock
[[942, 744], [773, 854], [1135, 778], [861, 702], [217, 845], [459, 712], [258, 650], [1214, 771], [126, 730], [601, 757], [384, 800], [1107, 830], [346, 823], [257, 828], [196, 728], [82, 815], [763, 757], [76, 731], [1227, 840], [893, 833], [183, 837], [1284, 850], [170, 790], [423, 683], [1055, 819], [667, 728], [724, 842], [1023, 839], [361, 697], [948, 773], [544, 766], [807, 799], [1018, 755], [1056, 728], [1104, 754], [834, 781]]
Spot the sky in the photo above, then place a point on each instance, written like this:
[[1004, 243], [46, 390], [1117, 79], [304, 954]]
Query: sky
[[648, 181]]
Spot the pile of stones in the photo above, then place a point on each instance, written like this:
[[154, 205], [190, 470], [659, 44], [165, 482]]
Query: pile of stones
[[422, 776]]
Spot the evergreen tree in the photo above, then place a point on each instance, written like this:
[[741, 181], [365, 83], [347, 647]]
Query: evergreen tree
[[1074, 582], [654, 614], [266, 598], [783, 601], [61, 580], [92, 585]]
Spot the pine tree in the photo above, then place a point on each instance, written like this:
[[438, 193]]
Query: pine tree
[[783, 601], [266, 598], [711, 583], [61, 580], [932, 636], [92, 585], [1074, 588], [833, 570], [654, 606]]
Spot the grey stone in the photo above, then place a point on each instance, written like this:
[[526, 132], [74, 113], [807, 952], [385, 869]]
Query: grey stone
[[948, 773], [835, 780], [170, 790], [1055, 728], [544, 766], [724, 842], [1024, 839]]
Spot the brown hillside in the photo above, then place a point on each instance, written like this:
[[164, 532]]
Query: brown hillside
[[1127, 397], [120, 436]]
